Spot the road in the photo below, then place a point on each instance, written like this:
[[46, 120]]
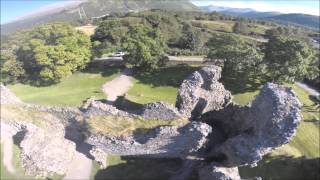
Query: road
[[311, 91], [171, 58]]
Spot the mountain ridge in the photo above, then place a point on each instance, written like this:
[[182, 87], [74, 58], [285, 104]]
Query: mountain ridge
[[86, 10], [305, 20]]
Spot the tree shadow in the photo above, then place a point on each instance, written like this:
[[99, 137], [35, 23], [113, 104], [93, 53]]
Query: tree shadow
[[314, 99], [284, 167], [238, 85], [140, 168], [314, 121], [167, 76], [104, 70], [18, 137], [76, 132]]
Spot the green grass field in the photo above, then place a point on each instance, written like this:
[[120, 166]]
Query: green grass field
[[159, 86], [71, 91]]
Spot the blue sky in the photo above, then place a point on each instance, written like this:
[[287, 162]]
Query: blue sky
[[12, 9]]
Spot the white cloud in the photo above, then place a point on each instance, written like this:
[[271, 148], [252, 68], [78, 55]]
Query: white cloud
[[278, 6]]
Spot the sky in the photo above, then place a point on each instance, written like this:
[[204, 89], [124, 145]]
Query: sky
[[284, 6], [12, 9]]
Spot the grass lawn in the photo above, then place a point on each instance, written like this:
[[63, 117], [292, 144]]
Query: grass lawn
[[71, 91], [159, 86]]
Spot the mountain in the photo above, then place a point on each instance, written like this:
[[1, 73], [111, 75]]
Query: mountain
[[90, 9], [243, 12], [298, 19], [304, 20]]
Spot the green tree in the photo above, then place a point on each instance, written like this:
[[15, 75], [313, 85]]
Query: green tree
[[290, 60], [190, 38], [54, 51], [145, 49], [238, 57], [10, 69], [240, 27]]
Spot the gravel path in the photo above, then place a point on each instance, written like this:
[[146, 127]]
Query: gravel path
[[118, 86], [8, 154], [80, 167]]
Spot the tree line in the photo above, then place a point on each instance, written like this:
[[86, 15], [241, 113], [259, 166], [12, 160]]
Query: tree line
[[49, 52]]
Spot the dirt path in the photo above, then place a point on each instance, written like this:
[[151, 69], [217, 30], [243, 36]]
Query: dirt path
[[8, 154], [80, 167], [118, 86]]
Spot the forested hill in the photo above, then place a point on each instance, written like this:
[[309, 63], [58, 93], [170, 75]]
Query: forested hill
[[298, 19], [90, 9]]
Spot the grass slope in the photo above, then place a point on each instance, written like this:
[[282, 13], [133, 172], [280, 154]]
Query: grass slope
[[159, 86], [71, 91]]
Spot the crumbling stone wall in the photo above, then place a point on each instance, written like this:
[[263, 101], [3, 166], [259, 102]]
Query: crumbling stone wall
[[221, 134]]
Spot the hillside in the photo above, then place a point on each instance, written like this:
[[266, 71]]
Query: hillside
[[304, 20], [297, 19], [87, 10]]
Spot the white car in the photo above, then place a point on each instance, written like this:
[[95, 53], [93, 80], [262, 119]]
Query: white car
[[117, 54]]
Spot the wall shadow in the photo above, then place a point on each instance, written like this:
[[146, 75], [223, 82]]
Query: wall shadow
[[141, 168], [125, 104], [284, 168], [238, 85]]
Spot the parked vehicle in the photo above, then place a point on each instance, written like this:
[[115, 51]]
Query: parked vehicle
[[117, 54]]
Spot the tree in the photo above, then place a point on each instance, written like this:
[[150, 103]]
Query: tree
[[290, 60], [145, 49], [54, 51], [240, 27], [190, 38], [10, 69], [239, 58]]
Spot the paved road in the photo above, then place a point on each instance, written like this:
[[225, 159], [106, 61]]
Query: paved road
[[171, 58], [310, 90], [118, 86]]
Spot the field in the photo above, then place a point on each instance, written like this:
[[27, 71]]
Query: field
[[160, 86], [226, 26], [87, 29], [71, 91]]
